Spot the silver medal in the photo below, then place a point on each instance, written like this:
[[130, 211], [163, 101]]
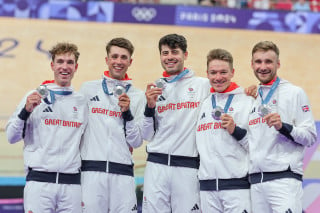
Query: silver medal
[[264, 110], [119, 90], [217, 112], [43, 91], [160, 83]]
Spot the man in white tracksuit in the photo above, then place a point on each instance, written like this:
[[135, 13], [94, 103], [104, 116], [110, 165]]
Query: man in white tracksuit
[[281, 125], [221, 140], [170, 181], [108, 183], [51, 128]]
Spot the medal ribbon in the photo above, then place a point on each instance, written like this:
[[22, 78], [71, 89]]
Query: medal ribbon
[[226, 107], [52, 95], [105, 87], [270, 93], [178, 77]]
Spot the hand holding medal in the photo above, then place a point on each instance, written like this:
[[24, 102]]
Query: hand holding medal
[[34, 99], [152, 94], [227, 123], [118, 90], [160, 83], [273, 119], [264, 110], [217, 113], [124, 102], [43, 91]]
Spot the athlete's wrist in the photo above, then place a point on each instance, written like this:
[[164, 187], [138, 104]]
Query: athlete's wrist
[[149, 111]]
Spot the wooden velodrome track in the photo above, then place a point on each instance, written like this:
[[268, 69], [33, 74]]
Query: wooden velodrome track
[[23, 67]]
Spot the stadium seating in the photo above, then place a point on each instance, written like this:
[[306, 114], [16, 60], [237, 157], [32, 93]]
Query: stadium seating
[[283, 5], [315, 5]]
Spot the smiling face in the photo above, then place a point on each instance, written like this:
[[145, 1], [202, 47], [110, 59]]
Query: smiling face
[[220, 69], [219, 74], [172, 59], [118, 61], [265, 65], [64, 66]]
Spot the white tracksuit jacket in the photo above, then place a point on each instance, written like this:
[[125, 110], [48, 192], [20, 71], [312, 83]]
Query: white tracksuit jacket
[[53, 132], [106, 138], [222, 156], [176, 116], [271, 150]]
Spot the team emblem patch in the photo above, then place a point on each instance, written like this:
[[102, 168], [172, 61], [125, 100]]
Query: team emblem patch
[[305, 108], [75, 112], [191, 93]]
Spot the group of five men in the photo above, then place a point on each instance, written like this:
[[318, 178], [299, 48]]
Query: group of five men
[[251, 149]]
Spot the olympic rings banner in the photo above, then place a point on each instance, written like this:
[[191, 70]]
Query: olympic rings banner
[[97, 11]]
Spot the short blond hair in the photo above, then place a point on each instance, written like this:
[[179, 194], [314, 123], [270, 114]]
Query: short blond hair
[[64, 47], [265, 46], [220, 54]]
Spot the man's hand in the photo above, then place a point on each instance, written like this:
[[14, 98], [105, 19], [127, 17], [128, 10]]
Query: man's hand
[[33, 100], [251, 91], [152, 94], [273, 119], [228, 123], [124, 102]]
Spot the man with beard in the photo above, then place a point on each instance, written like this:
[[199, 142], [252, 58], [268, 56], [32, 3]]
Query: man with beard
[[170, 181], [281, 126]]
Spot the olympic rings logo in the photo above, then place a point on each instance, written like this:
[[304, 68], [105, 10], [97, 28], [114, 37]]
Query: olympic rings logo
[[143, 13]]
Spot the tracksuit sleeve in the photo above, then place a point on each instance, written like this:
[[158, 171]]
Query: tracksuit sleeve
[[303, 130], [240, 134], [241, 130], [133, 123], [148, 125], [16, 123]]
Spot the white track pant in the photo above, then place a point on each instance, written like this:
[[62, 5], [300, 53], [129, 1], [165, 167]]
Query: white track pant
[[170, 189], [277, 196], [226, 201], [41, 197], [105, 192]]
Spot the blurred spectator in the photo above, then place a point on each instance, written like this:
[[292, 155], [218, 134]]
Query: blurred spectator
[[301, 5], [218, 3], [282, 5], [237, 3], [207, 2], [315, 5], [186, 2], [260, 4], [149, 1], [134, 1], [139, 1]]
